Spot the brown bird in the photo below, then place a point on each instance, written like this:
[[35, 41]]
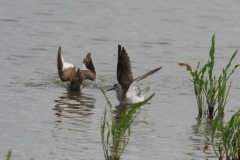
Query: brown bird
[[69, 73]]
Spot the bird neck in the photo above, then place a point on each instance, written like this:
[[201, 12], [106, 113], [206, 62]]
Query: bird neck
[[75, 85], [119, 95]]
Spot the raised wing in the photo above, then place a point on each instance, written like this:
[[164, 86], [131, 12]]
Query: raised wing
[[66, 71], [124, 71], [134, 85], [146, 74], [59, 60], [91, 73]]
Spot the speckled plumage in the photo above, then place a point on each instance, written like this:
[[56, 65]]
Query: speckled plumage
[[128, 91]]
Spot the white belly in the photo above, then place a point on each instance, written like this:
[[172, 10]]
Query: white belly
[[131, 98]]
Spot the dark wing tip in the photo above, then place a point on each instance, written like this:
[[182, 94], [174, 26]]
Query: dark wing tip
[[59, 50], [147, 74], [155, 70], [119, 50], [91, 73], [59, 60], [121, 53], [124, 71], [88, 63]]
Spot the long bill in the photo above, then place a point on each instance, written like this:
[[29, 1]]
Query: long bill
[[109, 89]]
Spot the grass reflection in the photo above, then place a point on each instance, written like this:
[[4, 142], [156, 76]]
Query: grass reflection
[[200, 135]]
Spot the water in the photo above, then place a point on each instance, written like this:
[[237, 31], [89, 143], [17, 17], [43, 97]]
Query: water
[[40, 119]]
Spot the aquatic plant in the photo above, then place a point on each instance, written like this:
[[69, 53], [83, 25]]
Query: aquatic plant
[[229, 144], [198, 81], [118, 132], [9, 154], [208, 89]]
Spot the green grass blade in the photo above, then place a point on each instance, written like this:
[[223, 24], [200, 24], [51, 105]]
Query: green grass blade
[[105, 146], [215, 124], [233, 71], [229, 64], [9, 154], [117, 131], [108, 102], [136, 105], [211, 55]]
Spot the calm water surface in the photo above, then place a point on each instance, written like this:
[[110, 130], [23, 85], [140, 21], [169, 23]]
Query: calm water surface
[[41, 119]]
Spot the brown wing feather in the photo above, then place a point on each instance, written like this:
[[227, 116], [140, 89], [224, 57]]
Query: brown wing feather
[[72, 75], [67, 74], [64, 75], [76, 77], [59, 60], [91, 73], [80, 75], [124, 72]]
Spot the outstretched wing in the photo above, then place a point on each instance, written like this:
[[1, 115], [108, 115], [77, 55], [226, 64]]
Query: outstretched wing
[[146, 74], [66, 71], [91, 73], [134, 84], [124, 72]]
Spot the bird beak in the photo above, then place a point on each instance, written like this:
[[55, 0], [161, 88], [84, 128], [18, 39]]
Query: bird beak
[[82, 84], [109, 89]]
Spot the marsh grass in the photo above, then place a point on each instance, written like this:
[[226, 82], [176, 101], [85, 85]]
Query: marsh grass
[[119, 132], [209, 89], [199, 83], [9, 154], [229, 145]]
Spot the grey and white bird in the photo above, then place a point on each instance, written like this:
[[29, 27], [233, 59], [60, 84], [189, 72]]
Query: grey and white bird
[[128, 91], [76, 77]]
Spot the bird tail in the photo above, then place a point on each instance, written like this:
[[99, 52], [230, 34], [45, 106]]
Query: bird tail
[[145, 91]]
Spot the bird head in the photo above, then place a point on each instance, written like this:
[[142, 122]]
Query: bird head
[[116, 87], [81, 85]]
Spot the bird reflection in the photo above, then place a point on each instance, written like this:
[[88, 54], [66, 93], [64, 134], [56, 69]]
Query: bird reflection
[[74, 102], [119, 109], [74, 122]]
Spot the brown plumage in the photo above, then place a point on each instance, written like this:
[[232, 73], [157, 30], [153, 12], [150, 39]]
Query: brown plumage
[[91, 73], [69, 73]]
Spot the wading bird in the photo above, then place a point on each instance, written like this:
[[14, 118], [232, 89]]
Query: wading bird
[[128, 91], [76, 77]]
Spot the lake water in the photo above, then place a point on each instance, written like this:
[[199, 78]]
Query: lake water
[[41, 119]]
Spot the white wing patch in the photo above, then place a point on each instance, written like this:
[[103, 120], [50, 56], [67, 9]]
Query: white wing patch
[[84, 67], [66, 65]]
